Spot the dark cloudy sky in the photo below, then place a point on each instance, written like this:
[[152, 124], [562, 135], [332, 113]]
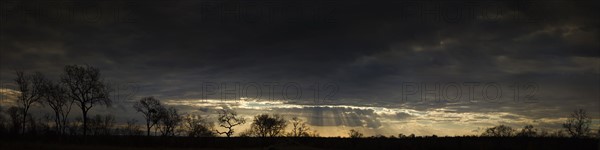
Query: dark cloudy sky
[[388, 67]]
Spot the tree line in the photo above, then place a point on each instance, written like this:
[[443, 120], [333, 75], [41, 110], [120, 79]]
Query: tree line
[[163, 121], [83, 87], [578, 125], [80, 86]]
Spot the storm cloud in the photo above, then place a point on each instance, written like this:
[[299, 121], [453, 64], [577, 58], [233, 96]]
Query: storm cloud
[[422, 56]]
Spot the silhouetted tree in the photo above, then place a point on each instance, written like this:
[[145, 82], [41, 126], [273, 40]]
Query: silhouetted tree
[[355, 134], [197, 126], [75, 126], [30, 88], [598, 133], [151, 108], [247, 133], [266, 125], [102, 124], [108, 124], [132, 128], [32, 123], [15, 115], [169, 119], [558, 133], [299, 128], [2, 121], [43, 125], [86, 88], [578, 125], [229, 119], [56, 97], [543, 132], [499, 131], [527, 131]]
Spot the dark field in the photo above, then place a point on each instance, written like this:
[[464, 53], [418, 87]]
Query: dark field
[[124, 142]]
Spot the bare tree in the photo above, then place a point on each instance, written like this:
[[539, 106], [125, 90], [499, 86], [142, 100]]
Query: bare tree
[[169, 119], [2, 121], [108, 124], [44, 124], [598, 133], [74, 127], [32, 127], [266, 125], [527, 131], [151, 108], [55, 95], [499, 131], [30, 89], [578, 125], [299, 128], [197, 126], [229, 119], [102, 124], [558, 133], [354, 134], [86, 88], [248, 133], [132, 128], [15, 114]]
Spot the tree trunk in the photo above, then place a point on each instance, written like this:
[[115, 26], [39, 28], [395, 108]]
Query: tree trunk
[[155, 130], [84, 121], [148, 128], [57, 122], [24, 123]]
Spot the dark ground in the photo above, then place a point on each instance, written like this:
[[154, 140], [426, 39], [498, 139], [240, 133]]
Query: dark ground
[[158, 143]]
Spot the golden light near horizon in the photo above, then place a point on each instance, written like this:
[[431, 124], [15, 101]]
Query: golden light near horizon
[[336, 120], [237, 74]]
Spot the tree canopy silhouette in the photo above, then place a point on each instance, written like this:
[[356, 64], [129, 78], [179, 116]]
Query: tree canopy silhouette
[[30, 87], [266, 125], [15, 114], [527, 131], [229, 119], [151, 108], [169, 120], [86, 88], [578, 125], [55, 96], [354, 134], [299, 128], [197, 126], [499, 131]]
